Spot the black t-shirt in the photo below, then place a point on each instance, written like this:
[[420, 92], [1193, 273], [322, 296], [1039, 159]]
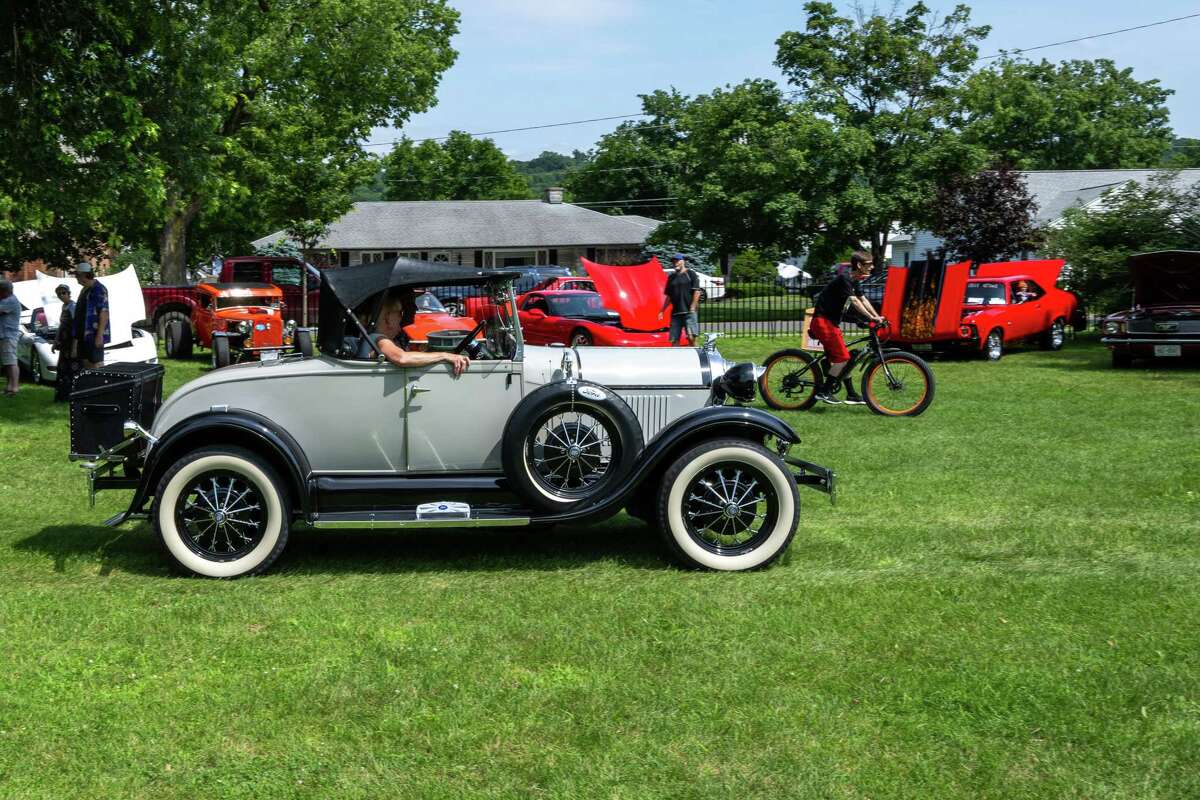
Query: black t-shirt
[[831, 302], [79, 322], [679, 288]]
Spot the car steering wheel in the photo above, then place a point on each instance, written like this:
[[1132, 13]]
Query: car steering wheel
[[470, 337]]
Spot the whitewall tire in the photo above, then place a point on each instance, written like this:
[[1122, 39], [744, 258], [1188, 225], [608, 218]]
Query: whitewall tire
[[222, 512], [728, 504]]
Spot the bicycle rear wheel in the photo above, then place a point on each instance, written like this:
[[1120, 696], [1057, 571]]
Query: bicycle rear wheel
[[907, 392], [790, 379]]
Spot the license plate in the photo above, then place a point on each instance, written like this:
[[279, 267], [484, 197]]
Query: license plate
[[269, 355], [1168, 350], [922, 347]]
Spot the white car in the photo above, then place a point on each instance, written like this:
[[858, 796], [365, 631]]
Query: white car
[[41, 311], [711, 288]]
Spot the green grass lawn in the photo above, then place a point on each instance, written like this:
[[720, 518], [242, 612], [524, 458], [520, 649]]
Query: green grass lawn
[[754, 309], [1004, 603]]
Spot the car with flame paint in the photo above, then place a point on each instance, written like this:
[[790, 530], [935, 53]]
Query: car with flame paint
[[940, 306], [526, 435], [1164, 319]]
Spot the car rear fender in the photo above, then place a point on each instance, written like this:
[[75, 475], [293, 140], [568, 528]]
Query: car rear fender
[[241, 428], [712, 422]]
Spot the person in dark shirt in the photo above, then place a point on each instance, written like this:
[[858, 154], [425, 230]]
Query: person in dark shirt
[[682, 294], [830, 305], [64, 344]]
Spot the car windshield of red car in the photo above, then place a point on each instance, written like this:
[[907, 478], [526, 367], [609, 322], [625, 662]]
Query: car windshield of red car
[[427, 302], [244, 302], [580, 305], [980, 293]]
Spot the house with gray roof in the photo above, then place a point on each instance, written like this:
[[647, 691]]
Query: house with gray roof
[[1055, 191], [481, 233]]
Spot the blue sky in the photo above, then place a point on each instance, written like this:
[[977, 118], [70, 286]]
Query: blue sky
[[528, 62]]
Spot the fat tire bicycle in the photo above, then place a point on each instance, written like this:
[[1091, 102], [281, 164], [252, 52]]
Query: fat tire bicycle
[[894, 383]]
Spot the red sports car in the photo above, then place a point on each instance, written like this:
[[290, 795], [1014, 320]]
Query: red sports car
[[578, 318], [944, 307]]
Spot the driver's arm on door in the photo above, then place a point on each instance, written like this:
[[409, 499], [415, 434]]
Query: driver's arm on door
[[403, 358]]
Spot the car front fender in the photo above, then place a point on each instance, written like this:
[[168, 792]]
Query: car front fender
[[235, 427], [712, 422]]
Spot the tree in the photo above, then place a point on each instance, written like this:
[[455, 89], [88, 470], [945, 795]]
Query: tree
[[460, 167], [1161, 214], [889, 83], [631, 168], [988, 216], [1184, 154], [549, 169], [1073, 115], [757, 171], [205, 98]]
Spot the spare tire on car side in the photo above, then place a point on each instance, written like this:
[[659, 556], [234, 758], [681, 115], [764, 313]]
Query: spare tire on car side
[[568, 442]]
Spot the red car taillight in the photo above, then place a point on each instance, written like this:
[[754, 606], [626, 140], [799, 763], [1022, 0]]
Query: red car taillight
[[967, 331]]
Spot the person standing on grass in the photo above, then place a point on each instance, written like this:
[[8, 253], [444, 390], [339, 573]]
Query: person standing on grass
[[64, 344], [93, 308], [682, 294], [825, 327], [10, 320]]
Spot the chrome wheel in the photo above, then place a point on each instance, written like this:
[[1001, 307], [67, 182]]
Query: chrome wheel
[[730, 508], [995, 346], [221, 515], [571, 451], [35, 366], [1056, 335]]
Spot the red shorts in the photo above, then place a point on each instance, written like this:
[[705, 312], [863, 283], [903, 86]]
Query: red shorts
[[830, 337]]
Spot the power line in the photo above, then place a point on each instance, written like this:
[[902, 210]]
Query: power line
[[515, 130], [564, 171], [1086, 38]]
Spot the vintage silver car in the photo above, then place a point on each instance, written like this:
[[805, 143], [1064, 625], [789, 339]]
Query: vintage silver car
[[524, 436]]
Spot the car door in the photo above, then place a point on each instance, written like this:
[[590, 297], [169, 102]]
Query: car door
[[534, 325], [1027, 317], [456, 423]]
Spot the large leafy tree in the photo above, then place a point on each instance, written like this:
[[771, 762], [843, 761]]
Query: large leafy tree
[[758, 171], [988, 216], [550, 168], [631, 169], [1073, 115], [1184, 153], [459, 167], [890, 83], [212, 99], [1160, 214]]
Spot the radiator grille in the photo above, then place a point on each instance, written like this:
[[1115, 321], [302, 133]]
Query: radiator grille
[[652, 410]]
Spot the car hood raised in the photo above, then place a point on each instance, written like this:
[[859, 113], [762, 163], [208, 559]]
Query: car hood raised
[[1169, 277], [635, 292], [125, 303]]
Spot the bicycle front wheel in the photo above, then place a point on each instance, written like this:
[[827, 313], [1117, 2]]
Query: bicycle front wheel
[[790, 379], [899, 386]]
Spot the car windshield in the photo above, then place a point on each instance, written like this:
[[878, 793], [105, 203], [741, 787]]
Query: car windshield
[[981, 293], [578, 305], [427, 302], [243, 302]]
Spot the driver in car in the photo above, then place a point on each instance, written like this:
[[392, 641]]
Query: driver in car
[[399, 311]]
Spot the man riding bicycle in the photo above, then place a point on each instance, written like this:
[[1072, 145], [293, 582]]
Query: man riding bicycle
[[844, 290]]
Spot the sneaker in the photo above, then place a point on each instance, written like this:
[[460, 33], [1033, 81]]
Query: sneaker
[[853, 398], [826, 397]]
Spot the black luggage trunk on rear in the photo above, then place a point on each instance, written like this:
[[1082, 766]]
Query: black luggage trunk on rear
[[102, 399]]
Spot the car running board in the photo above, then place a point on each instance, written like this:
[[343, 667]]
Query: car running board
[[393, 520]]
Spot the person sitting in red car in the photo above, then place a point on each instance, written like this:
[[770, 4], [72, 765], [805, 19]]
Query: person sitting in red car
[[830, 305]]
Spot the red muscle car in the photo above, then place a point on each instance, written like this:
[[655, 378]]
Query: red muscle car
[[432, 316], [942, 307], [578, 318], [1164, 321]]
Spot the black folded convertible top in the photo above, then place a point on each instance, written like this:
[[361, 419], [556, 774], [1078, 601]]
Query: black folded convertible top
[[345, 288]]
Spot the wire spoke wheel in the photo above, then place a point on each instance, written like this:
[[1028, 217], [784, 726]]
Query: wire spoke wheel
[[730, 508], [221, 515], [571, 451], [904, 388], [790, 381]]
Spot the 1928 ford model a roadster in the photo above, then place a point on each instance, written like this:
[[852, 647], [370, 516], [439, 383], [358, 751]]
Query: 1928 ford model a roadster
[[524, 436]]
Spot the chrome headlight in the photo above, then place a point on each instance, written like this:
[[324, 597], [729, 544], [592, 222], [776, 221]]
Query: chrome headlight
[[739, 382], [1114, 327]]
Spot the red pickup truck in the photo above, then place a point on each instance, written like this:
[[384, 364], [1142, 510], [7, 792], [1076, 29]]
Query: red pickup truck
[[166, 304]]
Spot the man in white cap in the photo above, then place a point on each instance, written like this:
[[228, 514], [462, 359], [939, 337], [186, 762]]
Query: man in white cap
[[92, 310], [10, 319]]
